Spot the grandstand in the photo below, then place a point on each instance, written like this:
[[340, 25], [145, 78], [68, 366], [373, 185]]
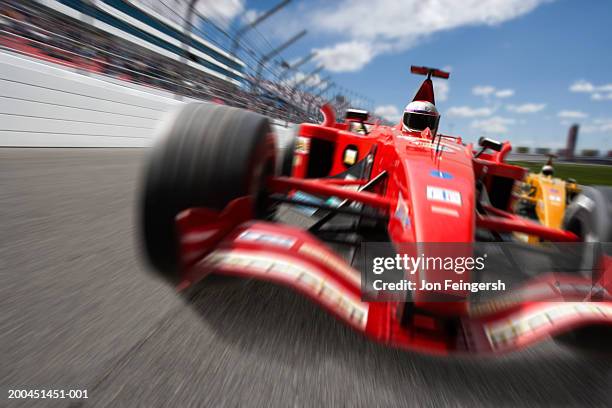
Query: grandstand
[[152, 44]]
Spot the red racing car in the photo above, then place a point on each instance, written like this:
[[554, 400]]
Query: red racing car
[[219, 197]]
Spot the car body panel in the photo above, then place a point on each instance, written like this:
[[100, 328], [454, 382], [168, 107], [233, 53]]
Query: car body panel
[[292, 257], [422, 187], [549, 196]]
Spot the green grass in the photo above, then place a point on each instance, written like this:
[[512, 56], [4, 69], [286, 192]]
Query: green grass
[[587, 174]]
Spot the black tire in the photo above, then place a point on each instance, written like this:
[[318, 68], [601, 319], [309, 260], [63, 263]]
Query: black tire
[[590, 217], [286, 165], [206, 156], [595, 340], [527, 209]]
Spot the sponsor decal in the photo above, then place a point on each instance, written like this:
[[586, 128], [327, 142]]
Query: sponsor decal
[[441, 174], [506, 301], [302, 145], [308, 278], [443, 195], [332, 263], [266, 238], [429, 144], [444, 211], [508, 332], [307, 198], [401, 212]]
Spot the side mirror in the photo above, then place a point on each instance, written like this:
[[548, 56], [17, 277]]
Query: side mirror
[[487, 143], [526, 188], [357, 115]]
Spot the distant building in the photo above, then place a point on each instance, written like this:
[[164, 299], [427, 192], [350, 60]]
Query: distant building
[[542, 150], [572, 139]]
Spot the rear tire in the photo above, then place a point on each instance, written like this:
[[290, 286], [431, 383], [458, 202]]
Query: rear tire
[[206, 156], [590, 217]]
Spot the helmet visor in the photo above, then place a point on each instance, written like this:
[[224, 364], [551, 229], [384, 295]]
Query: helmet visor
[[419, 121]]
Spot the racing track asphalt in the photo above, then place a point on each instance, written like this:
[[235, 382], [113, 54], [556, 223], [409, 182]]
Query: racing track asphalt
[[79, 310]]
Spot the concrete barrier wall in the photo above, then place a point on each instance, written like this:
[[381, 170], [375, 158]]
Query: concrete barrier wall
[[42, 105]]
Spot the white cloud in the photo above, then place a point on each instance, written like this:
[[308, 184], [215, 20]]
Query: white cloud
[[468, 112], [483, 90], [250, 15], [526, 107], [387, 18], [504, 93], [388, 112], [346, 57], [314, 80], [600, 125], [496, 124], [488, 90], [597, 92], [441, 89], [597, 96], [397, 25], [222, 12], [567, 114], [582, 86]]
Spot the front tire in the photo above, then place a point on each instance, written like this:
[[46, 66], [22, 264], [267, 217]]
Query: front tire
[[206, 156]]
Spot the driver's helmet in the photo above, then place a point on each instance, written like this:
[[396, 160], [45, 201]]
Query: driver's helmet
[[548, 170], [419, 115]]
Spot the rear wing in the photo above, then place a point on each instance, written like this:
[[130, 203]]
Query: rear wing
[[426, 91], [430, 72]]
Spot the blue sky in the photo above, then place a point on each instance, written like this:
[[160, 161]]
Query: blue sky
[[521, 70]]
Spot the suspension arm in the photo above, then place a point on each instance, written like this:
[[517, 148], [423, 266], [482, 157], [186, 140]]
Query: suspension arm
[[286, 184]]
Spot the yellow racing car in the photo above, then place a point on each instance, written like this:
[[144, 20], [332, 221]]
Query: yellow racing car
[[544, 198]]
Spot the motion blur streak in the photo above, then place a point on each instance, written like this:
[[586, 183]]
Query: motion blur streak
[[78, 310], [62, 33]]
